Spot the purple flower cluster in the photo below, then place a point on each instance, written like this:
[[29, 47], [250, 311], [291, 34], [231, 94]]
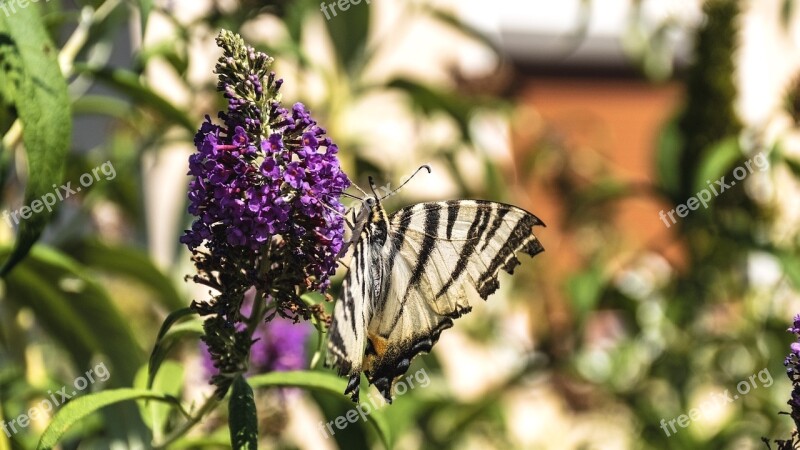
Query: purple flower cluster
[[250, 191], [792, 363], [268, 172]]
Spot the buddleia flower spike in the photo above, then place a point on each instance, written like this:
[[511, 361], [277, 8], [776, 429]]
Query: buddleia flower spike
[[265, 191]]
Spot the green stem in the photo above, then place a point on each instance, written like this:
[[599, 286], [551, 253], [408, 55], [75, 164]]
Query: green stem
[[257, 315], [177, 433], [75, 43]]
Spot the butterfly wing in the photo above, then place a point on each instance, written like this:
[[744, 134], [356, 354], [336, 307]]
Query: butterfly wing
[[353, 311], [434, 252]]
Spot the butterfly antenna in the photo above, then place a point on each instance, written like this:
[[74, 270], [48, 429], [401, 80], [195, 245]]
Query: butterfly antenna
[[342, 214], [334, 210], [359, 190], [424, 166], [372, 186]]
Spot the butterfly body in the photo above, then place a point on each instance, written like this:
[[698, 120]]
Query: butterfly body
[[409, 279]]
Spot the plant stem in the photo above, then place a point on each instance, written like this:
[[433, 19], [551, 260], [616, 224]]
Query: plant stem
[[77, 40], [177, 433], [257, 314]]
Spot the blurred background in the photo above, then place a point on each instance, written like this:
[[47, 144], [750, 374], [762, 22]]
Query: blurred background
[[595, 115]]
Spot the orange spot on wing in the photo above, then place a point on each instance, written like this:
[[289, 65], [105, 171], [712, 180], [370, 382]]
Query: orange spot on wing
[[379, 344]]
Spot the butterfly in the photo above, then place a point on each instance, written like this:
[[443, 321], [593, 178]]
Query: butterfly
[[409, 276]]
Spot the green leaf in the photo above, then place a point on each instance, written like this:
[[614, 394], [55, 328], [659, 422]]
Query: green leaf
[[668, 159], [170, 51], [295, 18], [145, 6], [793, 165], [130, 262], [585, 290], [243, 420], [717, 162], [787, 11], [219, 439], [28, 59], [128, 83], [791, 267], [163, 345], [4, 442], [80, 407], [169, 381], [320, 382], [429, 100], [349, 31], [457, 24], [105, 106], [76, 311]]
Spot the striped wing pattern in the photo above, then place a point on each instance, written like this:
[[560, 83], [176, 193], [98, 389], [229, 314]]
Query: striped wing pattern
[[435, 252], [352, 313], [432, 255]]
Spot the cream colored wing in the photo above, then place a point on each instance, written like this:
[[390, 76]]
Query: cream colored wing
[[434, 253]]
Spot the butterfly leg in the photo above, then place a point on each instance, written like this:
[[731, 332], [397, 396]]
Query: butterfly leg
[[353, 386]]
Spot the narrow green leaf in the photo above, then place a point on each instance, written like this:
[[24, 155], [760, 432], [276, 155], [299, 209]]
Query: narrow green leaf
[[145, 6], [295, 16], [429, 100], [717, 162], [349, 31], [219, 439], [793, 165], [129, 262], [669, 149], [76, 311], [162, 345], [170, 51], [28, 59], [457, 24], [243, 420], [4, 442], [325, 383], [128, 83], [585, 290], [791, 267], [787, 11], [81, 407], [315, 381], [169, 381], [103, 105]]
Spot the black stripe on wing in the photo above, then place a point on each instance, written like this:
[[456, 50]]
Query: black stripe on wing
[[496, 224], [432, 217], [396, 361], [398, 235], [520, 240], [476, 229], [452, 216], [336, 352], [383, 367]]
